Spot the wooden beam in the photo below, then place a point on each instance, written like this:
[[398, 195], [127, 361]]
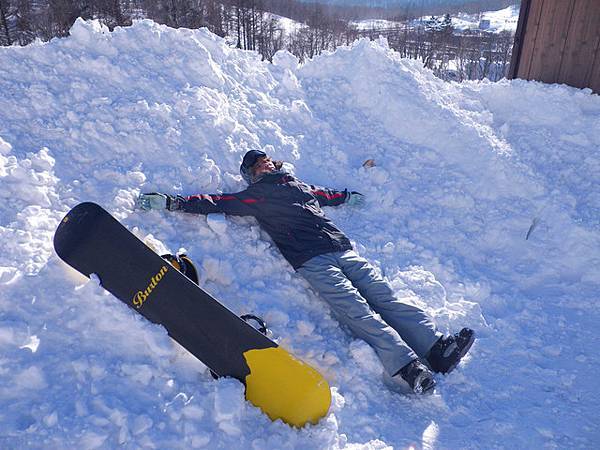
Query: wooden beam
[[519, 35], [594, 76], [582, 42], [551, 40], [530, 39]]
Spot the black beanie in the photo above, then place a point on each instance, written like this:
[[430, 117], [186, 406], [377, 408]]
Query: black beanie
[[249, 160]]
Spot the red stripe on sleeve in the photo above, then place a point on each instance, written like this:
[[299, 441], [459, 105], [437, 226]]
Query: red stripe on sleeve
[[329, 196], [214, 198]]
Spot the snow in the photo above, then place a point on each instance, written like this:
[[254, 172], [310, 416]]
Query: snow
[[502, 20], [287, 25], [371, 24], [462, 171]]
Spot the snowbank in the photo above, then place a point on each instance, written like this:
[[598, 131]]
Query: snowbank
[[463, 173]]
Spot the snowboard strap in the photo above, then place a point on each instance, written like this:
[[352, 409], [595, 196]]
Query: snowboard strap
[[184, 264], [262, 325]]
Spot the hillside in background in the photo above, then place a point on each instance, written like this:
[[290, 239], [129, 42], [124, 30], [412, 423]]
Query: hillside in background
[[463, 174], [417, 7], [503, 20]]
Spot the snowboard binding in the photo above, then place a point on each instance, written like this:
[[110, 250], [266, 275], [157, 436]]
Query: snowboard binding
[[261, 326], [184, 264]]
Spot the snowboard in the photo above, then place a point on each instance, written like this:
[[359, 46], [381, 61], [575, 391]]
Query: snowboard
[[90, 240]]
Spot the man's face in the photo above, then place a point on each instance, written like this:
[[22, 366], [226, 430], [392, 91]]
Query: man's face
[[263, 165]]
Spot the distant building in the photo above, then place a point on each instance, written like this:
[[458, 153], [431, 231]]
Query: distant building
[[558, 41]]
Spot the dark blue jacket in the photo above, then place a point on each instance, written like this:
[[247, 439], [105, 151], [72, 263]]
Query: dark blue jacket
[[287, 209]]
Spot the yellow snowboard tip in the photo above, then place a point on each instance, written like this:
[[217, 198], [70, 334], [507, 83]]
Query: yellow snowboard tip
[[286, 388]]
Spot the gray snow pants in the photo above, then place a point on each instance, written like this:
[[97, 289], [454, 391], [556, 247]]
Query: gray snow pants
[[365, 302]]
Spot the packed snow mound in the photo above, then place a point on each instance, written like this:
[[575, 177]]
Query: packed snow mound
[[463, 174]]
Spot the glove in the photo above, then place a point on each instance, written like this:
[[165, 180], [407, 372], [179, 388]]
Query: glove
[[355, 199], [155, 200], [152, 200]]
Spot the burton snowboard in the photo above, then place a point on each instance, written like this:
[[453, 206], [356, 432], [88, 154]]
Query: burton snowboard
[[93, 242]]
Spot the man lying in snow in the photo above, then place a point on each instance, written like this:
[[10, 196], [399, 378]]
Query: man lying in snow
[[403, 336]]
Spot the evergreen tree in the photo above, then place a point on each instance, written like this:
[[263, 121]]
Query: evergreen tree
[[432, 24], [446, 25]]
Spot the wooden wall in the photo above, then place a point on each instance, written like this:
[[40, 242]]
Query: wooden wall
[[558, 41]]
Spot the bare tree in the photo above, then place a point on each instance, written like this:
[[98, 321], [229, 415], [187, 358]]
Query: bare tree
[[450, 54], [4, 31], [270, 39]]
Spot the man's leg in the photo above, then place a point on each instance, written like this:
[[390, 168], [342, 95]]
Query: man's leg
[[350, 308], [414, 326]]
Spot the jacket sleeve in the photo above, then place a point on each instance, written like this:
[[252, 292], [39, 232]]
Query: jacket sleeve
[[329, 197], [238, 204]]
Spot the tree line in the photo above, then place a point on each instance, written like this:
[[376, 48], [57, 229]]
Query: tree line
[[459, 57], [250, 24], [253, 25], [451, 55]]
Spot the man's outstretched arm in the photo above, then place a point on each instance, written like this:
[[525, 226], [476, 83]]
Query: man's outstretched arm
[[238, 204], [332, 197]]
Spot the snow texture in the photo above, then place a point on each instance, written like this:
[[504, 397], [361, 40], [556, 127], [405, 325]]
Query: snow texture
[[461, 173]]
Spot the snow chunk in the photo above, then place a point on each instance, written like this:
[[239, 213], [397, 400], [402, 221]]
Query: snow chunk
[[51, 419], [365, 357], [430, 436], [83, 31], [229, 405], [140, 373], [32, 344], [305, 328], [8, 275], [42, 160], [217, 270], [91, 440], [5, 147], [31, 378], [286, 60], [217, 223], [141, 424]]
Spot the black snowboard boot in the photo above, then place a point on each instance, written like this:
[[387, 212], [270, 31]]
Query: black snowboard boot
[[447, 352], [419, 378]]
